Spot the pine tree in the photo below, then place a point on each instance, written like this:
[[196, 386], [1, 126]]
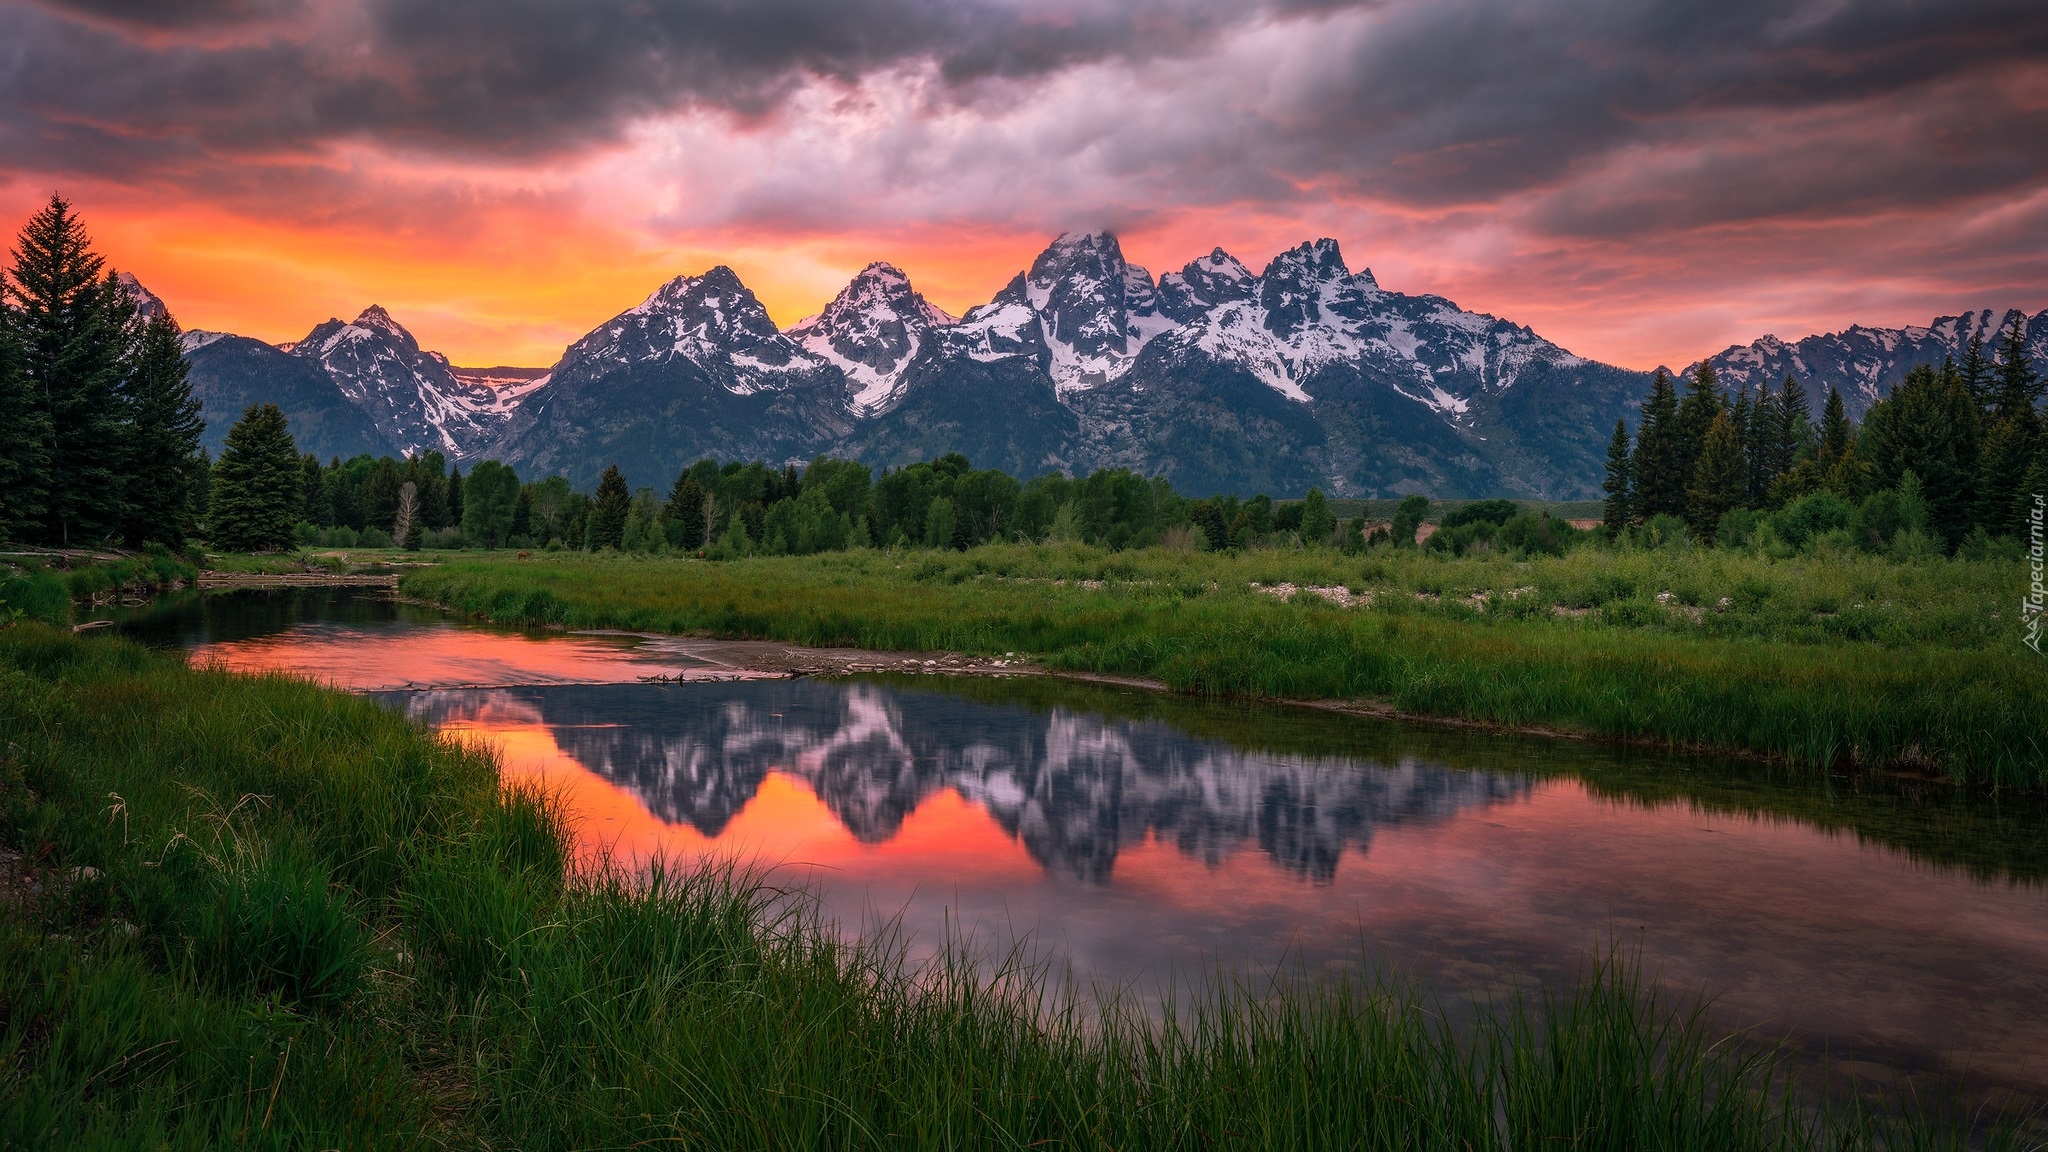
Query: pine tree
[[1928, 426], [24, 440], [1976, 371], [1719, 479], [1795, 426], [455, 495], [522, 513], [258, 490], [74, 322], [1617, 484], [163, 443], [608, 512], [1760, 446], [1834, 429], [1659, 487], [313, 480], [2010, 448], [1696, 412], [2018, 386], [685, 510]]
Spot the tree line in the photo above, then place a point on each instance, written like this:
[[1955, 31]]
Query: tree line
[[99, 433], [1953, 457], [267, 496]]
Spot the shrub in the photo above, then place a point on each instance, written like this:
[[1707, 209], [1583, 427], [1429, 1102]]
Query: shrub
[[1810, 516], [1496, 512]]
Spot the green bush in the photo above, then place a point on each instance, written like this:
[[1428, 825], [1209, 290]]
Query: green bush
[[39, 595]]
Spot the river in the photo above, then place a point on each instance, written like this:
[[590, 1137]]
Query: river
[[1896, 927]]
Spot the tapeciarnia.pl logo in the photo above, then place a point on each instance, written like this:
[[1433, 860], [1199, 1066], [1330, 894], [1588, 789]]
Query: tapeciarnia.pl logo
[[2030, 608]]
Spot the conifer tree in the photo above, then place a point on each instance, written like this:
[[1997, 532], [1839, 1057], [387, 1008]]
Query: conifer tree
[[1928, 426], [74, 322], [1834, 429], [455, 495], [1719, 480], [1617, 484], [2018, 386], [24, 440], [1795, 426], [1696, 412], [313, 481], [1976, 371], [163, 442], [2010, 448], [522, 513], [1760, 446], [258, 490], [607, 528], [1658, 485], [684, 512]]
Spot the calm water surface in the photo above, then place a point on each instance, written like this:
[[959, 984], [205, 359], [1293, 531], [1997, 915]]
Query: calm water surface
[[1896, 927]]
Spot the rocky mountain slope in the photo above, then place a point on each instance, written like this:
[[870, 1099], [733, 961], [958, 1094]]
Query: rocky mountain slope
[[1220, 378], [1863, 363]]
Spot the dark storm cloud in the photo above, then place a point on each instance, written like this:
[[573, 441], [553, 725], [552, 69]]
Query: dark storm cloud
[[1725, 109], [1469, 100]]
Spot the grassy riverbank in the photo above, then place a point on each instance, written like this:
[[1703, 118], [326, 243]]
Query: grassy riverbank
[[1816, 660], [253, 912]]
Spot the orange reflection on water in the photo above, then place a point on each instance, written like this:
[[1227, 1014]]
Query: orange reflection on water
[[446, 656], [783, 824]]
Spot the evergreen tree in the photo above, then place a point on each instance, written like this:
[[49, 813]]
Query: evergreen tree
[[24, 440], [258, 490], [1696, 412], [1976, 371], [1720, 478], [455, 495], [1659, 487], [1760, 446], [1928, 426], [163, 443], [1795, 426], [522, 513], [2010, 448], [313, 482], [1317, 521], [74, 322], [1617, 484], [2018, 386], [685, 512], [607, 528], [1834, 429]]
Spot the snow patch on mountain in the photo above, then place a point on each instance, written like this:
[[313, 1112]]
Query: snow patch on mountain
[[1862, 363], [409, 393], [871, 331], [713, 321]]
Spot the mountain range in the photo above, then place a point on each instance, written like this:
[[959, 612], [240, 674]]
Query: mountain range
[[1216, 377]]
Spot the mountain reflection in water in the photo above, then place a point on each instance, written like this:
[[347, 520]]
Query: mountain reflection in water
[[1073, 788]]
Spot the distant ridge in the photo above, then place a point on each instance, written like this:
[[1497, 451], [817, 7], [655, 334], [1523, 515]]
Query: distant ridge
[[1217, 377]]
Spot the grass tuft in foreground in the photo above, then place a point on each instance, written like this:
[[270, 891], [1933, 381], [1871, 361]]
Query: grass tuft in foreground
[[273, 915]]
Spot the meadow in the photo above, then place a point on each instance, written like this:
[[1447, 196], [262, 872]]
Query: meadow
[[1826, 659], [252, 912]]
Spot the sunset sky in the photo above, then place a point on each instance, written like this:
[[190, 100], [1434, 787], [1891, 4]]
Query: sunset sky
[[1643, 182]]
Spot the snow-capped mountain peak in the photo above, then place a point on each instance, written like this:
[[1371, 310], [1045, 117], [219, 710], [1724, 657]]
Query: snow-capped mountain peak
[[872, 330], [713, 321], [378, 365], [148, 305]]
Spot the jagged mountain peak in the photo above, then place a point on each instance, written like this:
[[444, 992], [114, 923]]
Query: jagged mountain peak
[[1313, 260], [148, 305], [874, 327], [1204, 283]]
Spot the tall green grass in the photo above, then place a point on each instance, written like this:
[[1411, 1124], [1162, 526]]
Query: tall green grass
[[1744, 654], [310, 923]]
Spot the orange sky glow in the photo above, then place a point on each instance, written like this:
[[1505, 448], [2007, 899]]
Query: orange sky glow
[[1641, 189]]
